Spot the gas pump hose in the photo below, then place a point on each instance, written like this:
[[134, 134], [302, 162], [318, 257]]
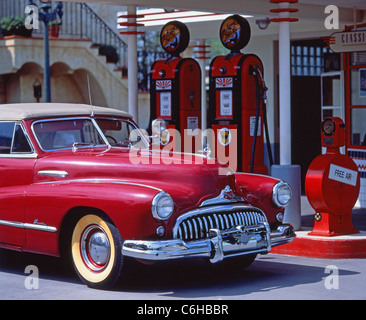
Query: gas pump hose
[[255, 133], [257, 73]]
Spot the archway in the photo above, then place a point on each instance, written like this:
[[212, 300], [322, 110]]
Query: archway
[[89, 88]]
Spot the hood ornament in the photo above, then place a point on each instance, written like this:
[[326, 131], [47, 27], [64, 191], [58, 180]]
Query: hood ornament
[[227, 193], [226, 196]]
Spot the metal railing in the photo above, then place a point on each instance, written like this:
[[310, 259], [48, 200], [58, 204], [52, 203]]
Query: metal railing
[[79, 21]]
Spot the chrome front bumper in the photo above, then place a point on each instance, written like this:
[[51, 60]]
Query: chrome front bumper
[[237, 241]]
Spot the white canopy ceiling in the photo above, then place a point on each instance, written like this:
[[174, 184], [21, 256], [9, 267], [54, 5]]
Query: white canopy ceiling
[[311, 13], [241, 6]]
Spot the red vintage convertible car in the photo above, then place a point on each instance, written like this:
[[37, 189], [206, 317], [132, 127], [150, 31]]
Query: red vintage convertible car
[[70, 183]]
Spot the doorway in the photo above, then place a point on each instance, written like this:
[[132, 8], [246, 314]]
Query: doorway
[[307, 63], [305, 121]]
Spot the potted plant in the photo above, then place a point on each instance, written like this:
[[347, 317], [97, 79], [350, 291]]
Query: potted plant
[[54, 28], [10, 26]]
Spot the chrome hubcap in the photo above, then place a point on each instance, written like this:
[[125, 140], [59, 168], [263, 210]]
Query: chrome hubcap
[[95, 248], [99, 248]]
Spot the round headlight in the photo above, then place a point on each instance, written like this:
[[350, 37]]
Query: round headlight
[[162, 206], [158, 126], [281, 194]]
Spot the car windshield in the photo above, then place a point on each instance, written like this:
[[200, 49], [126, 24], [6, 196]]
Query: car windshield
[[121, 133], [65, 134]]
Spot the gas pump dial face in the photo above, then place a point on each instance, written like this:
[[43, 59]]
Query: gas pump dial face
[[328, 127]]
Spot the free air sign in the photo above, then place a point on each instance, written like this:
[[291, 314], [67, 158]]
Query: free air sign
[[344, 175]]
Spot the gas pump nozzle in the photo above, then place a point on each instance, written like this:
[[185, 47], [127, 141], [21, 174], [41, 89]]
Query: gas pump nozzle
[[257, 71]]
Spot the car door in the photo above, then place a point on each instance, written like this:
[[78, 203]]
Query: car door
[[17, 160]]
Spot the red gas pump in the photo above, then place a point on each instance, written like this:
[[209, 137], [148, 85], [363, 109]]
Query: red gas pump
[[332, 183], [237, 98], [175, 86]]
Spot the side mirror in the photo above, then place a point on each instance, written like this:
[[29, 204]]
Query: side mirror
[[160, 134]]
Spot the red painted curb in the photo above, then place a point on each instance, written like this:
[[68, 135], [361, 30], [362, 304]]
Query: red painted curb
[[343, 247]]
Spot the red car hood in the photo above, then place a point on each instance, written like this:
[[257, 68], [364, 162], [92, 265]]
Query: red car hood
[[181, 175]]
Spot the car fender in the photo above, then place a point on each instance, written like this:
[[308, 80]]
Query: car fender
[[128, 205], [257, 190]]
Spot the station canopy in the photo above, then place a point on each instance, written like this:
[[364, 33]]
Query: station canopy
[[311, 14]]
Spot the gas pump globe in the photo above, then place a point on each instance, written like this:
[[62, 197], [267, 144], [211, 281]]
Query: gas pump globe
[[174, 38], [332, 183], [235, 33]]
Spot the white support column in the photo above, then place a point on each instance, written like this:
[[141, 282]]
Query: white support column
[[285, 87], [286, 171], [132, 64], [201, 44]]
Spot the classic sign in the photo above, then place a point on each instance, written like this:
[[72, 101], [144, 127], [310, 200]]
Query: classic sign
[[348, 41], [69, 187]]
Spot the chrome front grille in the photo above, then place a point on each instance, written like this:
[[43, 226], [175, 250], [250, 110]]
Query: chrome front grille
[[197, 224]]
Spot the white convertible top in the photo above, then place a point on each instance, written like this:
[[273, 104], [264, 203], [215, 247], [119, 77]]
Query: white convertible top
[[28, 111]]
